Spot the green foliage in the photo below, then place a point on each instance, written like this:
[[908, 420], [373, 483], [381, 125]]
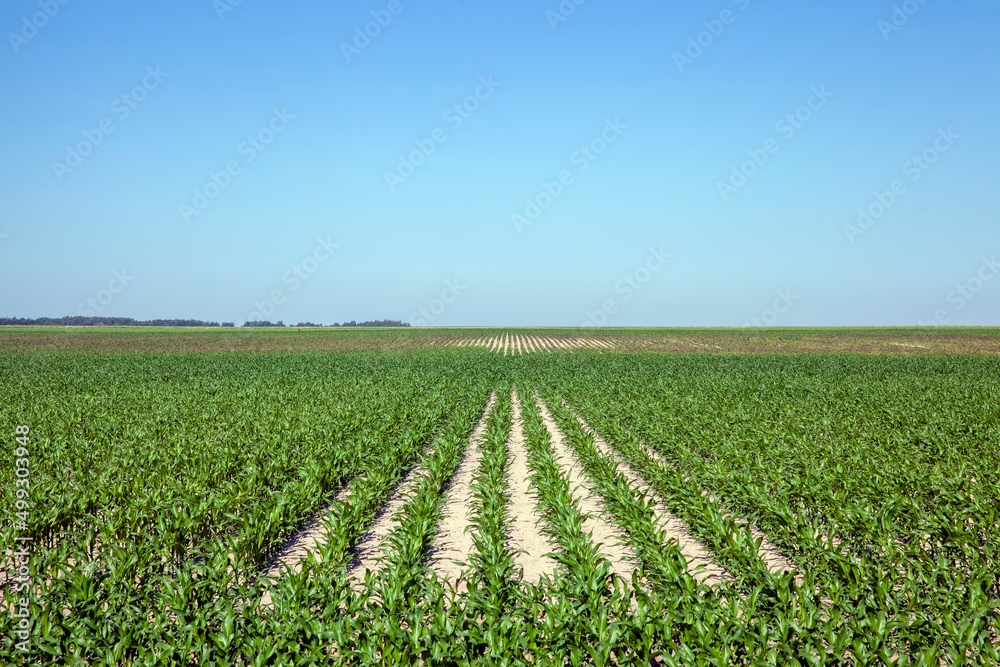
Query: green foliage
[[162, 485]]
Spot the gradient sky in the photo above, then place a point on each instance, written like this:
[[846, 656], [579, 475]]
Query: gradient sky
[[682, 116]]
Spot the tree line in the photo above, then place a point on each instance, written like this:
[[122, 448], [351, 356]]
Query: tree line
[[352, 323], [85, 321]]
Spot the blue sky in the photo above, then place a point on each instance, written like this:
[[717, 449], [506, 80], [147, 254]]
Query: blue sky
[[627, 163]]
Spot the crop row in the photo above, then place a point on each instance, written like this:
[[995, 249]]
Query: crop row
[[895, 569], [176, 479]]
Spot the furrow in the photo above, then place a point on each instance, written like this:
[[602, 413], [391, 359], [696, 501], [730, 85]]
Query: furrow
[[298, 547], [454, 541], [368, 552], [701, 564], [768, 551], [528, 543], [610, 539]]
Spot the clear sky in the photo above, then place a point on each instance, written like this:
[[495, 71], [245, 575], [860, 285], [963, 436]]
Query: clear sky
[[517, 163]]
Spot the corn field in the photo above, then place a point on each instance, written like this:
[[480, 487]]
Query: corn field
[[448, 505]]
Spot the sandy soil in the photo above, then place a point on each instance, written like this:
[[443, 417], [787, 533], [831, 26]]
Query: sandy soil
[[368, 553], [453, 542], [768, 551], [525, 518], [602, 532], [701, 564], [519, 344], [298, 547], [740, 340], [539, 343], [556, 344]]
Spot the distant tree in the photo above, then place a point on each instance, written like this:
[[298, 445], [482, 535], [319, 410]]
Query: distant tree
[[82, 321], [372, 323]]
